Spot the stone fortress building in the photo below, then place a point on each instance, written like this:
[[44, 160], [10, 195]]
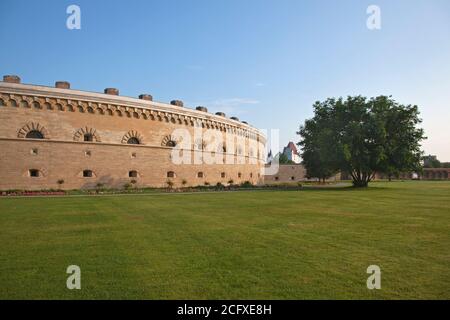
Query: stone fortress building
[[56, 137]]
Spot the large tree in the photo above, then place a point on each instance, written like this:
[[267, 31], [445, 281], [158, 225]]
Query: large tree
[[362, 137]]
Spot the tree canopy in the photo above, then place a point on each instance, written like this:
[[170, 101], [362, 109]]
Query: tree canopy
[[361, 137]]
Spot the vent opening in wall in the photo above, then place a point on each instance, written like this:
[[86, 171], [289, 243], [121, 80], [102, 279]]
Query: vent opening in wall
[[170, 174], [88, 137], [87, 173], [34, 173], [132, 174]]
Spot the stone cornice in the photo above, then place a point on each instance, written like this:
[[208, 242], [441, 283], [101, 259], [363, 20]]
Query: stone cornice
[[100, 98]]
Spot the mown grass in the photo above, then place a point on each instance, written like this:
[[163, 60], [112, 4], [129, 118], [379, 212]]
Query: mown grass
[[310, 244]]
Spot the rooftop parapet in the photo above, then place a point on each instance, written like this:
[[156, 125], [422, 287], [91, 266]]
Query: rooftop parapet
[[112, 91], [201, 108], [177, 103], [146, 96], [11, 78], [62, 84]]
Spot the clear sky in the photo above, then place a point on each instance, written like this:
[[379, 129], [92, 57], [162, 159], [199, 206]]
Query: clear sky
[[263, 61]]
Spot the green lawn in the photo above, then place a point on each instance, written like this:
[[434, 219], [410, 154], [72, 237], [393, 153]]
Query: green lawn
[[307, 244]]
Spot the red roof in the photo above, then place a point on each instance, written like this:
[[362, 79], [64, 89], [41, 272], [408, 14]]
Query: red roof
[[292, 146]]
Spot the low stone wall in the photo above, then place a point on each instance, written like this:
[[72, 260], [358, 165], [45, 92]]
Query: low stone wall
[[288, 173]]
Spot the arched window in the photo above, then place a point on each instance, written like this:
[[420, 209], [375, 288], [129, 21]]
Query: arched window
[[133, 140], [133, 137], [34, 134], [132, 174], [87, 173], [200, 174], [170, 174], [88, 137], [34, 173], [86, 134], [171, 143]]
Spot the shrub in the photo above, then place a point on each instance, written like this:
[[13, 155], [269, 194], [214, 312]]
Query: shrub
[[230, 182], [184, 182], [246, 184], [219, 186], [169, 184], [127, 186], [60, 182]]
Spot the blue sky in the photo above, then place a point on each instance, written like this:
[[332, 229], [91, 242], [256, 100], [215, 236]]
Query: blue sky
[[263, 61]]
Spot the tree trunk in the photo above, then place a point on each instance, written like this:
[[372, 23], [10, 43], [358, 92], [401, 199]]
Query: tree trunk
[[360, 183], [361, 179]]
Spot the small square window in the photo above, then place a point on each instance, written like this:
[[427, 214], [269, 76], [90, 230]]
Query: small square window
[[239, 175], [34, 173], [200, 175], [222, 175], [132, 174], [87, 173]]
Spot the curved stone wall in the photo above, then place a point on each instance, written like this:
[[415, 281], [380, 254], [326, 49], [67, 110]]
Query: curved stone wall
[[70, 139]]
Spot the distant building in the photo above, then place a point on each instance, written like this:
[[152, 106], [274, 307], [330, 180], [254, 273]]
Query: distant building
[[290, 151], [269, 157]]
